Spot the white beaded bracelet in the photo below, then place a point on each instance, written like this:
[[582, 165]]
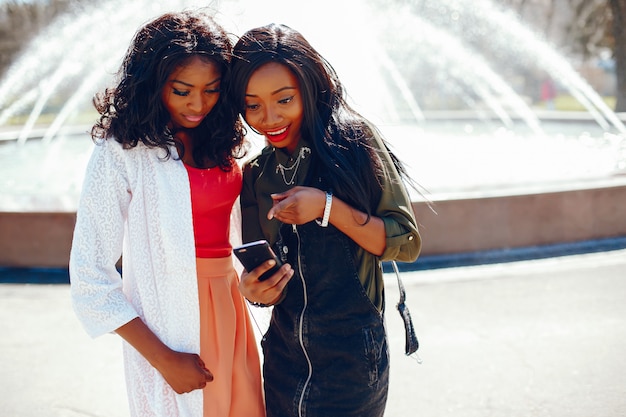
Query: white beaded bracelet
[[327, 207]]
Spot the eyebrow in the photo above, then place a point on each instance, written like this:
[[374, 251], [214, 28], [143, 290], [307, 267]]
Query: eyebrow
[[191, 85], [274, 92]]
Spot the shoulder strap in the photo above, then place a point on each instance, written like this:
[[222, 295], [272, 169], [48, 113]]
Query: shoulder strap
[[411, 344]]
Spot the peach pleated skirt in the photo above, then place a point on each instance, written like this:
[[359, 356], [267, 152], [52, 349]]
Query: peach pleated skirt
[[227, 343]]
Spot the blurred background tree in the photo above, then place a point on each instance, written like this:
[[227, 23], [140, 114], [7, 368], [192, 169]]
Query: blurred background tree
[[583, 28], [618, 9], [20, 21]]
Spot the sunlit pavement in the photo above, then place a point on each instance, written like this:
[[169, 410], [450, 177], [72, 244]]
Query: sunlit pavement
[[535, 338]]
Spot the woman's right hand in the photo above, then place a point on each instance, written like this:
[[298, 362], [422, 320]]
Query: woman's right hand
[[184, 372], [268, 291]]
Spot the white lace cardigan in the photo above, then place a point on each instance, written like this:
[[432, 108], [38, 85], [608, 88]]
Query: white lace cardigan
[[137, 204]]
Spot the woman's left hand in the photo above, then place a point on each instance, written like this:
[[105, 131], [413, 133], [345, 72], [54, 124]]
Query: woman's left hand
[[298, 205], [269, 291], [301, 205]]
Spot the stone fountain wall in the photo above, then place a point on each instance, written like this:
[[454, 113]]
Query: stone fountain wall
[[43, 240], [35, 239], [479, 224]]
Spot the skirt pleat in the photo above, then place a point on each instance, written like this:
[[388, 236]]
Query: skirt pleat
[[227, 343]]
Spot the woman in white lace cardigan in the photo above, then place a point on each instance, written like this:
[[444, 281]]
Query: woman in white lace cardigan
[[159, 191]]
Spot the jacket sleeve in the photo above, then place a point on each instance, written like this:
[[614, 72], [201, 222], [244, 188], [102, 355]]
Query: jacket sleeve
[[250, 226], [403, 241], [96, 284]]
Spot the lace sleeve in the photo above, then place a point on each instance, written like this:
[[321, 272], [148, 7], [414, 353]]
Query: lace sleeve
[[96, 285]]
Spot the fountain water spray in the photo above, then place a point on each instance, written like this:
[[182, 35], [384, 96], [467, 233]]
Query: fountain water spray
[[502, 35], [394, 59]]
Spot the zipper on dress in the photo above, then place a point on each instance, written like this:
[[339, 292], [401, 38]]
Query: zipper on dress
[[300, 325]]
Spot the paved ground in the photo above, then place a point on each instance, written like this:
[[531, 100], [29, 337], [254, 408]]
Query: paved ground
[[539, 338]]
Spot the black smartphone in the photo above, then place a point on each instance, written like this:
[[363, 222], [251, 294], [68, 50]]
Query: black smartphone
[[254, 254]]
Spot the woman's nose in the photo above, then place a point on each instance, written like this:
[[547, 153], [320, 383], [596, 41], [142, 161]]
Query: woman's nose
[[196, 103], [272, 115]]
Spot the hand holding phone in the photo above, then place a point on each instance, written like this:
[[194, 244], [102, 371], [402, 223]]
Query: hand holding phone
[[253, 254]]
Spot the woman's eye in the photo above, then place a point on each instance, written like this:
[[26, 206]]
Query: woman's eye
[[212, 91], [181, 93], [286, 100], [252, 107]]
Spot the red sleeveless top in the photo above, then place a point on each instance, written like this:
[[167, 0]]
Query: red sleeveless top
[[213, 193]]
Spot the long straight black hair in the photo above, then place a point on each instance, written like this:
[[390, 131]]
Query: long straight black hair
[[340, 136]]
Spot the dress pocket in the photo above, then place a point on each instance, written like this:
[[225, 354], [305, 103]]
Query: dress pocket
[[377, 356]]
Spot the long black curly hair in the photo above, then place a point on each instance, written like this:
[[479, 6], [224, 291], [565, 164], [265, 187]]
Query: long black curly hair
[[133, 111], [341, 137]]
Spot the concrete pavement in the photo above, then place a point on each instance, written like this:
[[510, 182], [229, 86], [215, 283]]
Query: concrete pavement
[[544, 338]]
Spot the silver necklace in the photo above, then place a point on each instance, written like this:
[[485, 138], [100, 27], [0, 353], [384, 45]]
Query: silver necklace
[[282, 169]]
